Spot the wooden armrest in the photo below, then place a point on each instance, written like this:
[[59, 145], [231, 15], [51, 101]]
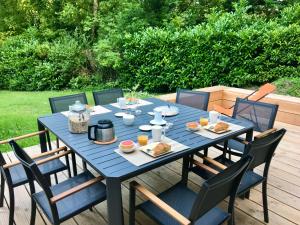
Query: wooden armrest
[[241, 140], [76, 189], [161, 204], [215, 163], [265, 133], [14, 163], [23, 136], [57, 156], [205, 167]]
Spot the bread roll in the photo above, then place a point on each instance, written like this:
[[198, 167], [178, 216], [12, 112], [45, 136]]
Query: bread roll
[[221, 126], [160, 149]]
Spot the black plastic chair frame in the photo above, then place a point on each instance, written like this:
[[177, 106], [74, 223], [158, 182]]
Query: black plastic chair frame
[[7, 177], [205, 200], [51, 198], [108, 96], [201, 104]]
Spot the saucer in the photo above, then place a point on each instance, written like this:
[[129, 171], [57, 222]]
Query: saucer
[[145, 127], [119, 114], [154, 122]]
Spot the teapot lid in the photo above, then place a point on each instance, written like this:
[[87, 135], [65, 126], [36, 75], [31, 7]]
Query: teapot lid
[[78, 107], [104, 124]]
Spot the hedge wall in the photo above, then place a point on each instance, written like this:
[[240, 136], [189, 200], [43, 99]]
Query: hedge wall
[[235, 49]]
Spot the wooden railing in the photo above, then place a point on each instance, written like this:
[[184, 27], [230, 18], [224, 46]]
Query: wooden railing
[[289, 107]]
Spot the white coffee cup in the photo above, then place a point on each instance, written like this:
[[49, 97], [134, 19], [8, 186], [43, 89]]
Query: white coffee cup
[[156, 133], [213, 116], [122, 102], [128, 119]]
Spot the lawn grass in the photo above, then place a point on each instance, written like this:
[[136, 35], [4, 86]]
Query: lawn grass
[[19, 112]]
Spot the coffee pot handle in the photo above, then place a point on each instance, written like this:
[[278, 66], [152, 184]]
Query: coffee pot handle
[[90, 131]]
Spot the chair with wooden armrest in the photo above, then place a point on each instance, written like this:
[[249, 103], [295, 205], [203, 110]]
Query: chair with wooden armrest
[[261, 150], [14, 174], [261, 115], [108, 96], [180, 205], [62, 201], [256, 96], [195, 99]]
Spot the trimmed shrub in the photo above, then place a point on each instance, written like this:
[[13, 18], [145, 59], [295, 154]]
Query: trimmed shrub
[[28, 63], [235, 49]]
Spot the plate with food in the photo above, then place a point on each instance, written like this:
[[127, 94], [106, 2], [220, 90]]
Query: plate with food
[[192, 126], [127, 146], [156, 149], [167, 110], [218, 128]]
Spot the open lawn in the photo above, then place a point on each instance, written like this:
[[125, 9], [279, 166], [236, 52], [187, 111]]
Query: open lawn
[[19, 112]]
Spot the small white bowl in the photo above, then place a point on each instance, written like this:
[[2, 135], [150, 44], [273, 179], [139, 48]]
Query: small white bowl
[[128, 150]]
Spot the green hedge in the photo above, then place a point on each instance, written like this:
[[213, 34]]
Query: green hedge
[[27, 63], [235, 49]]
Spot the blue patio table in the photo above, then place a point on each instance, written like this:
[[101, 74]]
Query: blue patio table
[[114, 167]]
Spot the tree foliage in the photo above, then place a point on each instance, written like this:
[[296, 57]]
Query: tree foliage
[[62, 44]]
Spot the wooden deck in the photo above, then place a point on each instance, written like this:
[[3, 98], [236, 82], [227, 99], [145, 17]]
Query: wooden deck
[[283, 190]]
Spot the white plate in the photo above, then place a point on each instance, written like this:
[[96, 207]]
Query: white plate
[[119, 114], [148, 150], [168, 110], [145, 127], [154, 122], [211, 127]]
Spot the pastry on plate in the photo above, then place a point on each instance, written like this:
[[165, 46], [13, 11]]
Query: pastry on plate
[[192, 126], [161, 148], [221, 126]]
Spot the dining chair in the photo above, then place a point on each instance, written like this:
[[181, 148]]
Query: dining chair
[[107, 96], [15, 176], [196, 99], [261, 115], [62, 103], [181, 205], [62, 201], [256, 96], [262, 151]]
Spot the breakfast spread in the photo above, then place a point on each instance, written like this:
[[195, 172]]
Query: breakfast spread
[[160, 149], [221, 126]]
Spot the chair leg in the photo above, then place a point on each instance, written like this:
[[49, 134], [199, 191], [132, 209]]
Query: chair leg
[[11, 205], [247, 194], [265, 201], [68, 165], [132, 206], [56, 179], [33, 212], [2, 190]]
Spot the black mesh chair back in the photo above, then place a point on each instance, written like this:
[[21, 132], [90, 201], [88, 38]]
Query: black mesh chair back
[[262, 149], [107, 96], [34, 173], [196, 99], [62, 103], [217, 188], [261, 114]]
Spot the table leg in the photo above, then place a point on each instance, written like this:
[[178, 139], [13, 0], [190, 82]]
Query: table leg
[[42, 137], [185, 170], [114, 201]]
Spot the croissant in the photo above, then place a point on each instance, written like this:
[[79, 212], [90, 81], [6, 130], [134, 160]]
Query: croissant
[[221, 126], [160, 149]]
